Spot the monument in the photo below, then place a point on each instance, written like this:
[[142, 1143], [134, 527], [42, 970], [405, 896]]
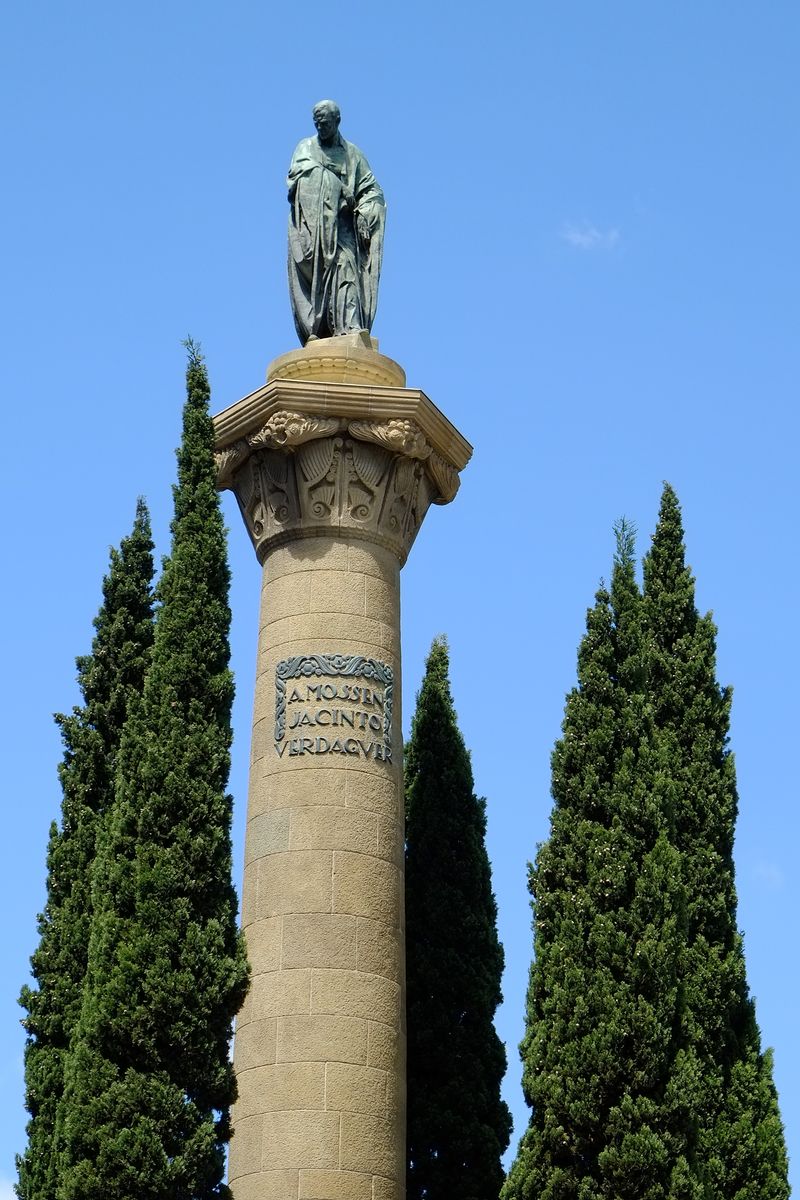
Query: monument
[[335, 232], [334, 463]]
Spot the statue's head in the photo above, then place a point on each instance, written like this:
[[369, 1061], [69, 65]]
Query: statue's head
[[326, 116]]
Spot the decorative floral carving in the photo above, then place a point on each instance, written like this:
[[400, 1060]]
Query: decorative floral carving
[[285, 429], [368, 466], [228, 459], [318, 468], [250, 496], [399, 436], [275, 472], [444, 476]]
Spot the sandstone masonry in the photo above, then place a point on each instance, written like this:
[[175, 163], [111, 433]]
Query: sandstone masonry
[[334, 464]]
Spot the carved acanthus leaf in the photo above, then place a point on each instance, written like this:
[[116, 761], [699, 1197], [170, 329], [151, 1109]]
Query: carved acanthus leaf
[[285, 429], [399, 436], [444, 476], [228, 459]]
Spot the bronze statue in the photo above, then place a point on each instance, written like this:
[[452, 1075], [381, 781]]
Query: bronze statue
[[335, 232]]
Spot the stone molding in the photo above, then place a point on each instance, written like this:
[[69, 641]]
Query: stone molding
[[355, 402], [370, 469], [349, 358]]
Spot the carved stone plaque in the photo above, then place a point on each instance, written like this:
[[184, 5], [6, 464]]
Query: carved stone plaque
[[334, 704]]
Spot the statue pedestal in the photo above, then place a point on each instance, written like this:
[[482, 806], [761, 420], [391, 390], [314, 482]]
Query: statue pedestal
[[334, 465], [350, 358]]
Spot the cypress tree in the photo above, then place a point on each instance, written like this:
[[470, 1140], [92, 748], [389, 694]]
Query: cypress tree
[[108, 678], [604, 1070], [643, 781], [740, 1136], [148, 1079], [458, 1126]]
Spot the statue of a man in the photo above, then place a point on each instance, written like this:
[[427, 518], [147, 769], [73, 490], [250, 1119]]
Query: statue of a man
[[335, 232]]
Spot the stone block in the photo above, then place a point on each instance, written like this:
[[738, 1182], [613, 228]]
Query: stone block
[[267, 833], [275, 1088], [334, 1185], [322, 1038], [255, 1043], [286, 596], [385, 1047], [382, 601], [375, 561], [305, 554], [266, 1185], [319, 940], [379, 949], [249, 894], [281, 993], [257, 788], [391, 843], [396, 1097], [340, 632], [366, 887], [247, 1144], [376, 791], [300, 1138], [370, 1143], [338, 592], [332, 828], [354, 994], [264, 944], [262, 740], [279, 788], [384, 1189], [297, 882], [349, 1088]]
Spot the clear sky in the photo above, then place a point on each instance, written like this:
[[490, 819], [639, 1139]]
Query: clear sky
[[591, 266]]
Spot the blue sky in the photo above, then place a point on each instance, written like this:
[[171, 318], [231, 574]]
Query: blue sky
[[591, 266]]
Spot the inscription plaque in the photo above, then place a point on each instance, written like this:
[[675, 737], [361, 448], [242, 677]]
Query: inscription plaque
[[334, 704]]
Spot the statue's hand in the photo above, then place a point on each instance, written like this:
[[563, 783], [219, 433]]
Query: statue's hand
[[348, 196]]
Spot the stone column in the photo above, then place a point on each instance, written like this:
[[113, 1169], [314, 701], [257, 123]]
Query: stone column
[[334, 464]]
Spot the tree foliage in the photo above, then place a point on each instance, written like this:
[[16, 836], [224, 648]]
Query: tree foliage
[[109, 677], [602, 1065], [148, 1080], [740, 1145], [641, 1057], [458, 1127]]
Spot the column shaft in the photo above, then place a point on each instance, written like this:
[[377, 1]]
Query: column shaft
[[334, 464], [320, 1043]]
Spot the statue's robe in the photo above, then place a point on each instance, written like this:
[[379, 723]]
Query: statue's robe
[[333, 276]]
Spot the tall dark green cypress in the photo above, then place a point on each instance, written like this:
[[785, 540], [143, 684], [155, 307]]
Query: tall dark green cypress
[[740, 1136], [108, 677], [605, 1071], [458, 1126], [148, 1079], [645, 744]]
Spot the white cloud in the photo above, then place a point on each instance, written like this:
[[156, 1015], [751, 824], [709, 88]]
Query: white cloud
[[585, 236], [765, 872]]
